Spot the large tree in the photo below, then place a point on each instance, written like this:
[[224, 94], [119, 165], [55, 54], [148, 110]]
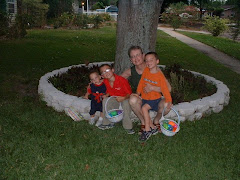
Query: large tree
[[137, 25]]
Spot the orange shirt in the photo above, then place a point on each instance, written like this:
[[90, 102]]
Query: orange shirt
[[156, 79]]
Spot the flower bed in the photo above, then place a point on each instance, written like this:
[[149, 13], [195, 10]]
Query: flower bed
[[192, 110]]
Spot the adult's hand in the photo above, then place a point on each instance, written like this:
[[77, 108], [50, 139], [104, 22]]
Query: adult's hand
[[148, 88]]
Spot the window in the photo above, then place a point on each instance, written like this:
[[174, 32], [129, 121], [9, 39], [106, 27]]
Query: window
[[10, 8]]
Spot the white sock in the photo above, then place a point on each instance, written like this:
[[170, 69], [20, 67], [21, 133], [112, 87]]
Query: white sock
[[92, 120], [99, 122]]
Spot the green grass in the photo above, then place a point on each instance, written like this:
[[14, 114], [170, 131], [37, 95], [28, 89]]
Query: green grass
[[225, 45], [39, 143]]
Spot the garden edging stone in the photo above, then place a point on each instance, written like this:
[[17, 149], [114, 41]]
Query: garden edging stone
[[191, 111]]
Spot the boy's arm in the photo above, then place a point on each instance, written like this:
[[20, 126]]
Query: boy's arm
[[86, 95], [88, 92], [105, 95], [122, 98]]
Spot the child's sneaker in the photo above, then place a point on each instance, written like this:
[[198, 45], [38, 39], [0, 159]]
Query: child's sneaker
[[145, 136], [154, 131], [130, 131], [104, 127], [92, 121], [99, 122]]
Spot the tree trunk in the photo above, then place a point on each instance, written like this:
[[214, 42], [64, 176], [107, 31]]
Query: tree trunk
[[136, 25]]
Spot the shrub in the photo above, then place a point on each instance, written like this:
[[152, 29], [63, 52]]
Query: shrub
[[34, 12], [18, 29], [178, 13], [185, 86], [215, 25], [97, 20], [105, 16], [3, 23]]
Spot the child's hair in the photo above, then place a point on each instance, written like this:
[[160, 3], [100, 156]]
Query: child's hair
[[105, 65], [134, 48], [152, 53], [94, 71]]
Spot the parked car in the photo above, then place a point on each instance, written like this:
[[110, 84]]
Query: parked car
[[111, 9]]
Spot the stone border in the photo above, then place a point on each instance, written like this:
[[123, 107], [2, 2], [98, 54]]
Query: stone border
[[193, 110]]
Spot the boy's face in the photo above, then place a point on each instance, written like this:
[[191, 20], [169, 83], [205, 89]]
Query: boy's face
[[95, 78], [106, 72], [151, 61], [137, 57]]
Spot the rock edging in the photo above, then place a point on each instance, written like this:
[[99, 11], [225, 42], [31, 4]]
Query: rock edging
[[191, 111]]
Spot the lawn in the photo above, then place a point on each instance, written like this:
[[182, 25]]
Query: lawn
[[39, 143], [225, 45]]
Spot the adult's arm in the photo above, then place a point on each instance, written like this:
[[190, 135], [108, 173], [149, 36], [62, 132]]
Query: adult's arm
[[126, 74], [148, 88]]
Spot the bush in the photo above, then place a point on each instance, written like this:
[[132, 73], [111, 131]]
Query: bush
[[3, 23], [185, 86], [97, 20], [215, 25], [105, 16], [79, 21], [18, 30], [34, 12]]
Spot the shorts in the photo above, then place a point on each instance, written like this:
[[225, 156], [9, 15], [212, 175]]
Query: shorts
[[152, 103], [95, 107]]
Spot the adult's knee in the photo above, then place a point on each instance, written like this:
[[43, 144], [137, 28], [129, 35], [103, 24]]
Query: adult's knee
[[133, 100]]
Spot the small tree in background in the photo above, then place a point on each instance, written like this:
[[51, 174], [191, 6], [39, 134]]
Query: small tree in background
[[215, 25], [34, 12]]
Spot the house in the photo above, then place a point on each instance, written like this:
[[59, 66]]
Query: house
[[11, 9], [75, 6], [229, 11]]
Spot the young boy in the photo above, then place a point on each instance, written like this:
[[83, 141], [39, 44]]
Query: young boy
[[116, 86], [151, 100], [97, 90]]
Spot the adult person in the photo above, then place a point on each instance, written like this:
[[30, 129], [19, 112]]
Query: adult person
[[133, 75]]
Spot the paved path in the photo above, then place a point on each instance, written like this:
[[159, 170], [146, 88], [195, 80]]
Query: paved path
[[215, 54]]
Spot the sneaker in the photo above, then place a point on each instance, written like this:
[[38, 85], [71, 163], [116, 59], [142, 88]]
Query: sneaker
[[130, 131], [145, 136], [104, 127], [154, 131], [92, 121], [99, 122]]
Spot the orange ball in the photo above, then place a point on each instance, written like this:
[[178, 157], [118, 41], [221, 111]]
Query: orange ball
[[171, 123]]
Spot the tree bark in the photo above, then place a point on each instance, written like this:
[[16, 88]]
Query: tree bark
[[136, 25]]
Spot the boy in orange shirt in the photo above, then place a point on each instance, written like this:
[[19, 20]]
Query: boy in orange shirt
[[152, 100]]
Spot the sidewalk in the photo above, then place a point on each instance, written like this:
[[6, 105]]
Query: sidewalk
[[215, 54]]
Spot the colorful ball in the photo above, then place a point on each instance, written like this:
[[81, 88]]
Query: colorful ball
[[170, 128], [171, 123], [114, 113], [165, 125]]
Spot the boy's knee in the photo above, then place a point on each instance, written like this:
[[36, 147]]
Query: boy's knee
[[145, 108]]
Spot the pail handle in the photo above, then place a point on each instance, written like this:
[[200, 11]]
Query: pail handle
[[107, 102], [174, 111]]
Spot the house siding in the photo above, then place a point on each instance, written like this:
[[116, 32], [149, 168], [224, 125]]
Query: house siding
[[12, 9]]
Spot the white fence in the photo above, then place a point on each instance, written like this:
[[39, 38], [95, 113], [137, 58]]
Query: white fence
[[112, 14]]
